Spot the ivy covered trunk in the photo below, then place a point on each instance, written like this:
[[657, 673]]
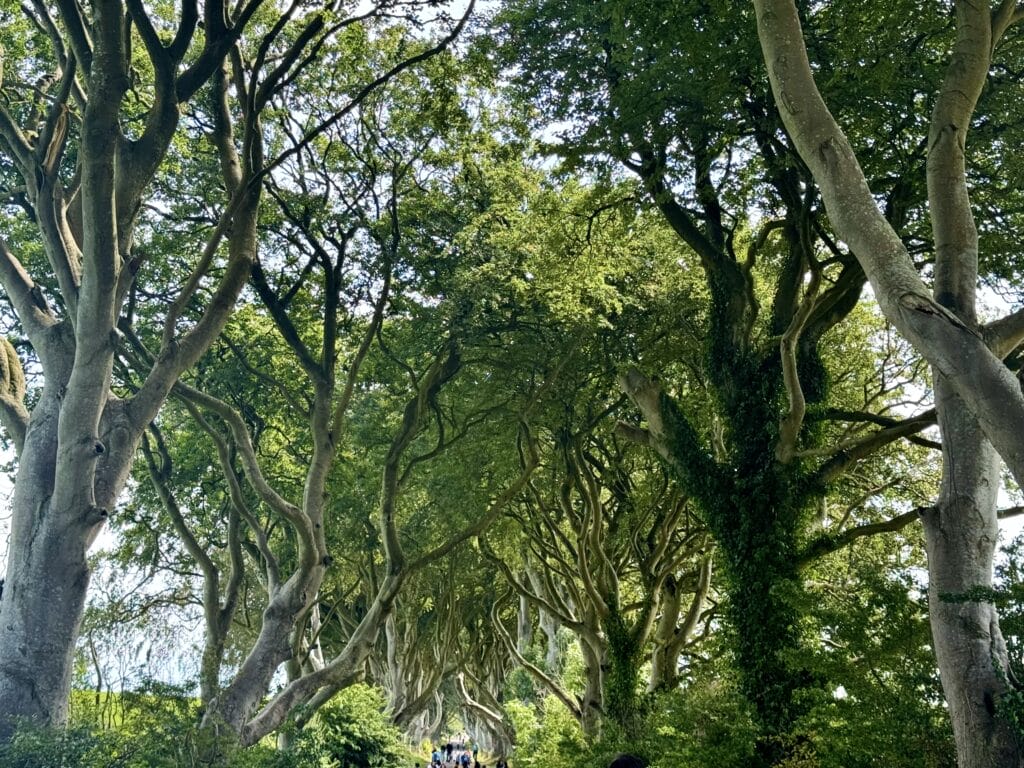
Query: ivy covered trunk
[[764, 587], [624, 707], [755, 507]]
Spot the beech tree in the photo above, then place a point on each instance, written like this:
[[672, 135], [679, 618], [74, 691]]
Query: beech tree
[[468, 398], [83, 176], [979, 399], [92, 100], [376, 350], [748, 426]]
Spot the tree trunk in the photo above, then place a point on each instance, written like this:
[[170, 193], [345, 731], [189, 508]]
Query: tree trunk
[[396, 678], [552, 655], [670, 637], [663, 665], [44, 595], [758, 544], [961, 534], [549, 625], [237, 702], [75, 450], [524, 626], [592, 704], [763, 586], [623, 656], [962, 531]]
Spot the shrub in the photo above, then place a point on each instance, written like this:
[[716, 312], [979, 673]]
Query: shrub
[[36, 747], [545, 736], [350, 731]]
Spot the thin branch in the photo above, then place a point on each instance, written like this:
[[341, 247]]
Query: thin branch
[[369, 88], [1008, 13], [1004, 335], [78, 35], [17, 143], [250, 462], [159, 475], [851, 452], [540, 675], [541, 601], [224, 456], [839, 414], [827, 543], [1007, 513]]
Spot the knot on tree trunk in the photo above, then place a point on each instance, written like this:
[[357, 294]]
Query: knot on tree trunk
[[926, 305], [95, 516]]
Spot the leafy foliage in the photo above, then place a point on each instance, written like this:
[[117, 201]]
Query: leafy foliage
[[545, 734], [351, 731]]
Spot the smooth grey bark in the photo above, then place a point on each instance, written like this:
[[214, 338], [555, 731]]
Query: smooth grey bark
[[77, 444], [546, 592], [962, 530], [55, 510], [241, 706], [485, 709], [578, 583], [961, 534], [497, 737], [671, 635], [524, 626], [549, 625], [552, 652], [396, 684], [592, 700], [236, 705]]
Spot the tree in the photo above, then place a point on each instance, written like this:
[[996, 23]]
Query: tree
[[86, 143], [980, 403], [614, 548], [83, 177], [746, 425], [380, 353]]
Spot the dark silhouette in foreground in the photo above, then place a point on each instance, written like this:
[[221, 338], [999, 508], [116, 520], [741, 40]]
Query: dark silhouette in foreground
[[627, 761]]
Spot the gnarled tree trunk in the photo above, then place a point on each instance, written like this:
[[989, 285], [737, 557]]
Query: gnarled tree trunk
[[76, 446]]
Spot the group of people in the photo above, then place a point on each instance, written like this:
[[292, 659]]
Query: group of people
[[458, 754]]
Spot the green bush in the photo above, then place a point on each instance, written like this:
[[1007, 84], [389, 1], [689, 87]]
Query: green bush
[[34, 747], [350, 731], [156, 728], [146, 728], [547, 735], [706, 724]]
